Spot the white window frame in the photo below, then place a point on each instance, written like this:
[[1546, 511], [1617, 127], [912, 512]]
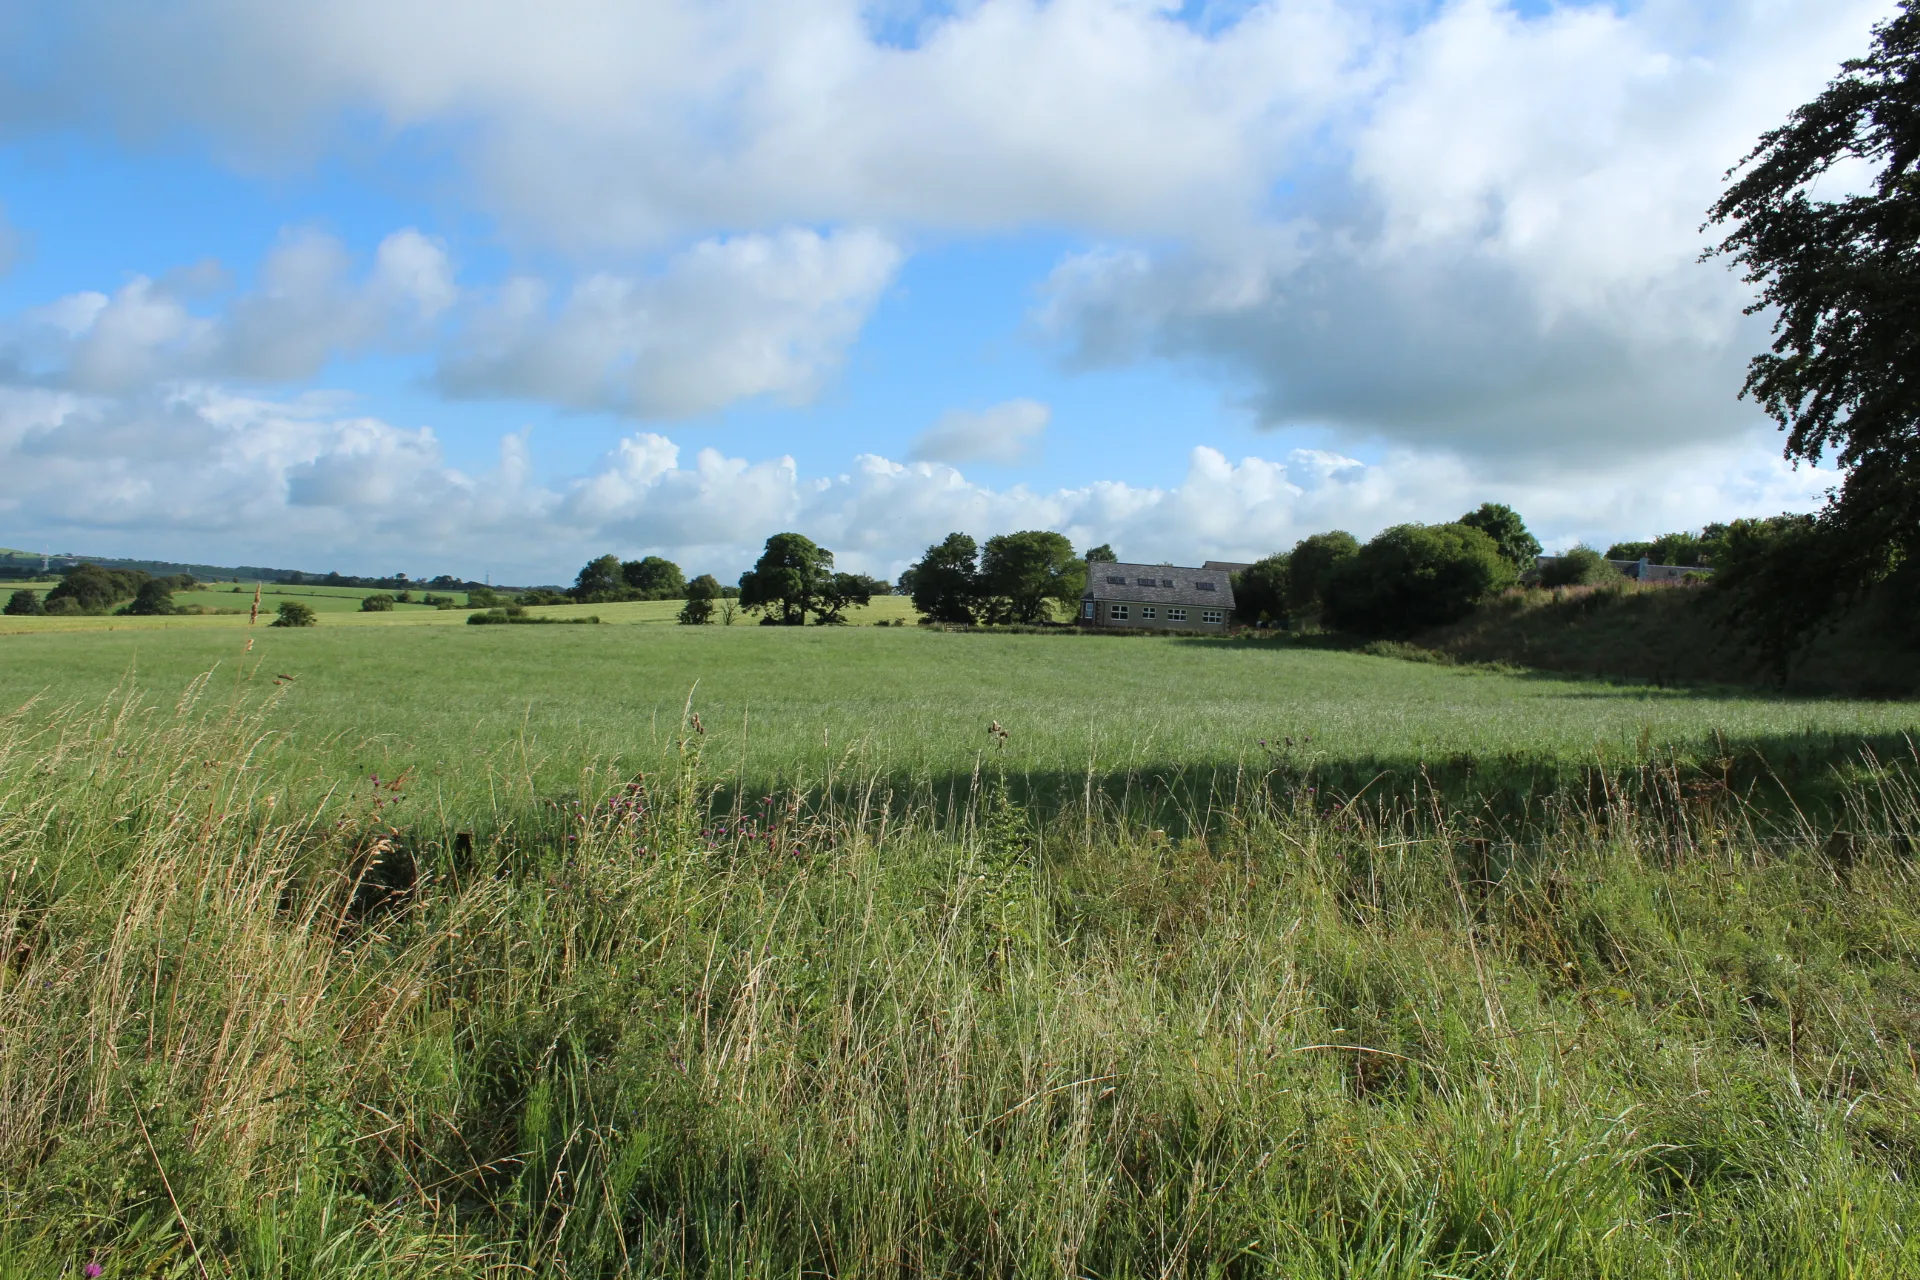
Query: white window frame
[[1213, 617], [1176, 615], [1116, 613], [1147, 612]]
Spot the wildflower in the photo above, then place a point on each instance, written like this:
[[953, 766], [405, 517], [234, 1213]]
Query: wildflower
[[91, 1270]]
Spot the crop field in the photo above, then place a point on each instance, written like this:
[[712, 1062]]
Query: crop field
[[399, 947]]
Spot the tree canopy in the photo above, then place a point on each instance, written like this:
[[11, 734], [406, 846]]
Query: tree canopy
[[654, 578], [1415, 576], [1311, 568], [1022, 573], [1508, 531], [701, 593], [599, 580], [1102, 554], [786, 582], [1841, 274], [1260, 591], [945, 581]]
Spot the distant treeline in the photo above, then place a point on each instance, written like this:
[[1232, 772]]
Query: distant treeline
[[19, 566]]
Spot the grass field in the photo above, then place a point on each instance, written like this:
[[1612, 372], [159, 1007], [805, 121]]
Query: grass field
[[399, 949], [784, 705]]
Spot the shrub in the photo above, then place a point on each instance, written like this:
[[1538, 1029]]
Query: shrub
[[701, 592], [378, 602], [154, 598], [513, 614], [1580, 567], [25, 604], [295, 614], [1415, 576]]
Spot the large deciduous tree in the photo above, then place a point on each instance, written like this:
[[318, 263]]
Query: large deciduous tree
[[654, 578], [1508, 531], [787, 580], [1260, 591], [1311, 568], [1022, 574], [1838, 265], [599, 580], [1414, 576], [945, 582]]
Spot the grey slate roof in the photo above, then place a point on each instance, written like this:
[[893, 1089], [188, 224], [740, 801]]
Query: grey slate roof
[[1172, 584], [1231, 566]]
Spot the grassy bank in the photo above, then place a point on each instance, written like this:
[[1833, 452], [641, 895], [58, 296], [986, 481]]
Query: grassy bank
[[1678, 636], [266, 1019]]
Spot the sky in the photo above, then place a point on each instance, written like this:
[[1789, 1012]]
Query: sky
[[490, 288]]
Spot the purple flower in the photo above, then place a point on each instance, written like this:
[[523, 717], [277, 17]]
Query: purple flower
[[90, 1270]]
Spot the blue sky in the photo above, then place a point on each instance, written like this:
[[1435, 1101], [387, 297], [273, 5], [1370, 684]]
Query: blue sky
[[497, 287]]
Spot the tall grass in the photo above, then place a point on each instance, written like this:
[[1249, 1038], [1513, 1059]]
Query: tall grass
[[252, 1024]]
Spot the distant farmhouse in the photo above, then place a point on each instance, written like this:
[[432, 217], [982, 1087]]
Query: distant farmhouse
[[1160, 597]]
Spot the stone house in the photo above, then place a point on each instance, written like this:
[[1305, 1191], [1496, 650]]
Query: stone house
[[1156, 597]]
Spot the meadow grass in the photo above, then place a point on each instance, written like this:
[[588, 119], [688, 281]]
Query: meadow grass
[[1176, 723], [264, 1017]]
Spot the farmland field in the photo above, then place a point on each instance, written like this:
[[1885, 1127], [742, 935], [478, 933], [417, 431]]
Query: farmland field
[[393, 691], [400, 947]]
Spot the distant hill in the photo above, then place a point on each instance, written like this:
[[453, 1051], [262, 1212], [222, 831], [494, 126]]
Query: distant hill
[[16, 565]]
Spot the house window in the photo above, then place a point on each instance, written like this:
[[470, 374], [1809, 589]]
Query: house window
[[1145, 582], [1086, 609], [1203, 586], [1115, 580], [1166, 582], [1146, 611], [1176, 615], [1214, 616], [1117, 612]]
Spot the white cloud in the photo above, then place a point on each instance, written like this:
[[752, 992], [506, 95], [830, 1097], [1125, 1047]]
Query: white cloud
[[1506, 264], [589, 122], [756, 315], [306, 309], [201, 472], [1007, 433]]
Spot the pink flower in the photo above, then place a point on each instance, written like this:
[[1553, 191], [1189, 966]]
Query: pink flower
[[91, 1270]]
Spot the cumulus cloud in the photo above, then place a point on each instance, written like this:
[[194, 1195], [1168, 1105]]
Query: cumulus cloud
[[306, 309], [587, 123], [1506, 265], [199, 471], [1007, 434], [728, 319]]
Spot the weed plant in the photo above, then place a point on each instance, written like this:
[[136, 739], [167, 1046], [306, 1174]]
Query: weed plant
[[263, 1019]]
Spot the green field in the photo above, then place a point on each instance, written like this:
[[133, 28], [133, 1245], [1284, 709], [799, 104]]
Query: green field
[[781, 705], [405, 949]]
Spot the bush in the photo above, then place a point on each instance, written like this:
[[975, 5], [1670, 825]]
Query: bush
[[378, 602], [701, 593], [25, 604], [1580, 567], [154, 598], [295, 614], [514, 615], [1413, 576]]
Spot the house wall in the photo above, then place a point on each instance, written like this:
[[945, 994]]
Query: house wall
[[1162, 618]]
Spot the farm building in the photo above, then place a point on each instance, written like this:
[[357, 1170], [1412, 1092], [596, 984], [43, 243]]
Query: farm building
[[1160, 597]]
